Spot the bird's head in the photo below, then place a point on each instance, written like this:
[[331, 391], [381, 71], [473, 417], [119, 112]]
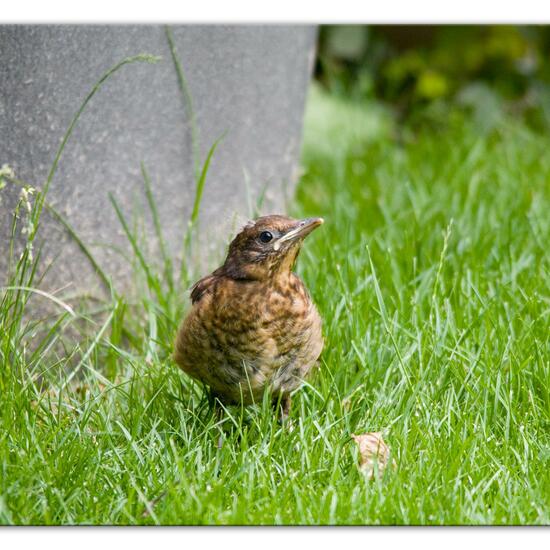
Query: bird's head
[[267, 247]]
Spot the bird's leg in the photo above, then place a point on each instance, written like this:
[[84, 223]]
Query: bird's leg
[[218, 411], [216, 406], [211, 397], [283, 405]]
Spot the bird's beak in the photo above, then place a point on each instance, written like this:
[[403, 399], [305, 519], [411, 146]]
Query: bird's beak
[[302, 229]]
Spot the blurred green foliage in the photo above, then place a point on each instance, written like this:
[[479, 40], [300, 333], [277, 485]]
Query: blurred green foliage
[[422, 71]]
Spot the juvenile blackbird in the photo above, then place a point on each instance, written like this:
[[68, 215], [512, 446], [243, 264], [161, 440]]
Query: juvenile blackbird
[[253, 326]]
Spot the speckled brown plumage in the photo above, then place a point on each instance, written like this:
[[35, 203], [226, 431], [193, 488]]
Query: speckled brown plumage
[[253, 325]]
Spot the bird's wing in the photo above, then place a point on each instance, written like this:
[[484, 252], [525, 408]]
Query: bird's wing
[[199, 289]]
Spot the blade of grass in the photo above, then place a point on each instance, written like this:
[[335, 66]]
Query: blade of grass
[[199, 175], [196, 205], [168, 270], [97, 269], [47, 295], [384, 317], [151, 279], [187, 102], [202, 179], [87, 354]]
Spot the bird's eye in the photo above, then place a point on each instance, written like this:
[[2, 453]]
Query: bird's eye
[[265, 236]]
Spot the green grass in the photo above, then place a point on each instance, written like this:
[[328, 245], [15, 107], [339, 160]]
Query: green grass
[[432, 277]]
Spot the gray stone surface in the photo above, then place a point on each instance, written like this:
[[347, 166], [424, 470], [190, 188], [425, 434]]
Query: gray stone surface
[[246, 81]]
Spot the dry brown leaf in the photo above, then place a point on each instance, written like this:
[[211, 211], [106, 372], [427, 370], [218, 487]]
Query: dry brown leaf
[[373, 451]]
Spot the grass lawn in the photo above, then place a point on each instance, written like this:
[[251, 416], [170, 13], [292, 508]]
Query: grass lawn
[[432, 276]]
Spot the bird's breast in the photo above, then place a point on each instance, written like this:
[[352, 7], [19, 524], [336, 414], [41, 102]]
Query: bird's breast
[[249, 334]]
